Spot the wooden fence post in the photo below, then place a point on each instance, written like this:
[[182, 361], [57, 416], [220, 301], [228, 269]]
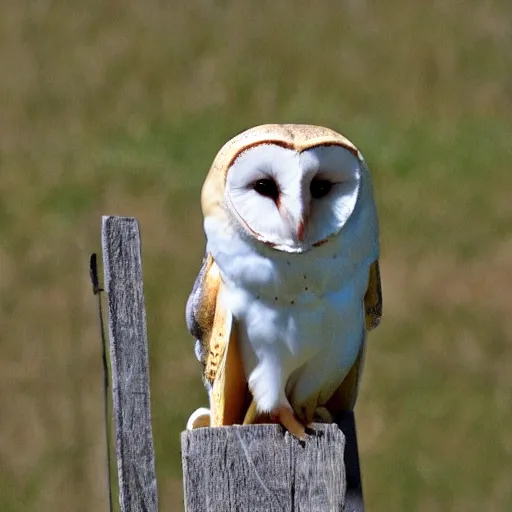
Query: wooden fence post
[[261, 468], [130, 370]]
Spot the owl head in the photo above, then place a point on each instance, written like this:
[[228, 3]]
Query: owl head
[[289, 187]]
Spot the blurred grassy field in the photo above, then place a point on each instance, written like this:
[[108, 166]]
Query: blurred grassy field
[[119, 108]]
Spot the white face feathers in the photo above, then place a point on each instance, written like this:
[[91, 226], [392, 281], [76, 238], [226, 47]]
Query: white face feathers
[[293, 200]]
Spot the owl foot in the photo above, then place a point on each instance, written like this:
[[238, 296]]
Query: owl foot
[[199, 418], [281, 414], [287, 418]]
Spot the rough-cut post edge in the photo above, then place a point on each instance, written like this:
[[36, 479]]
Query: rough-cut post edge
[[262, 468], [130, 368]]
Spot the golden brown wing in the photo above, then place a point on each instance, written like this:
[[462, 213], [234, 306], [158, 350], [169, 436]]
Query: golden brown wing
[[344, 397], [217, 347], [229, 394]]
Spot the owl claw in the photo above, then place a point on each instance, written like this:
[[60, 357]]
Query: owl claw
[[287, 418]]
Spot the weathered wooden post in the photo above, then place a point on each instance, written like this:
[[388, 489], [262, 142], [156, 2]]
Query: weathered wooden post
[[261, 468], [130, 369], [257, 468]]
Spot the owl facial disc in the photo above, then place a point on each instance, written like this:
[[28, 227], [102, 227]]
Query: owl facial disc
[[293, 200]]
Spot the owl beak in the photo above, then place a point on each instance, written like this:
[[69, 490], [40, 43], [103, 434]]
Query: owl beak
[[297, 216]]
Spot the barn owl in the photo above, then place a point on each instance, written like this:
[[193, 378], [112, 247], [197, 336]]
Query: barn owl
[[289, 285]]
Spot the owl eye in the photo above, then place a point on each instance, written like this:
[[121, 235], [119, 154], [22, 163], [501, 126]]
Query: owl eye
[[267, 188], [320, 188]]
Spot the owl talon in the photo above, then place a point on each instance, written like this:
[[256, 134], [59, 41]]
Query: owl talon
[[287, 418]]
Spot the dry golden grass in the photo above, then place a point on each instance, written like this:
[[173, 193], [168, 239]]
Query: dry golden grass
[[120, 107]]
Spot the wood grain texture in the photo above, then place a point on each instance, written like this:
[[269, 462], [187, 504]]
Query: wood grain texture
[[130, 370], [262, 468]]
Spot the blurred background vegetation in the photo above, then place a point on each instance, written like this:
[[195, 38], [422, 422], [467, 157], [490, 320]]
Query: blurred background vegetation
[[119, 108]]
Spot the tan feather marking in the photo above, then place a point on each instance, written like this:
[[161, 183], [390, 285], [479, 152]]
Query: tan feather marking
[[230, 395], [216, 345]]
